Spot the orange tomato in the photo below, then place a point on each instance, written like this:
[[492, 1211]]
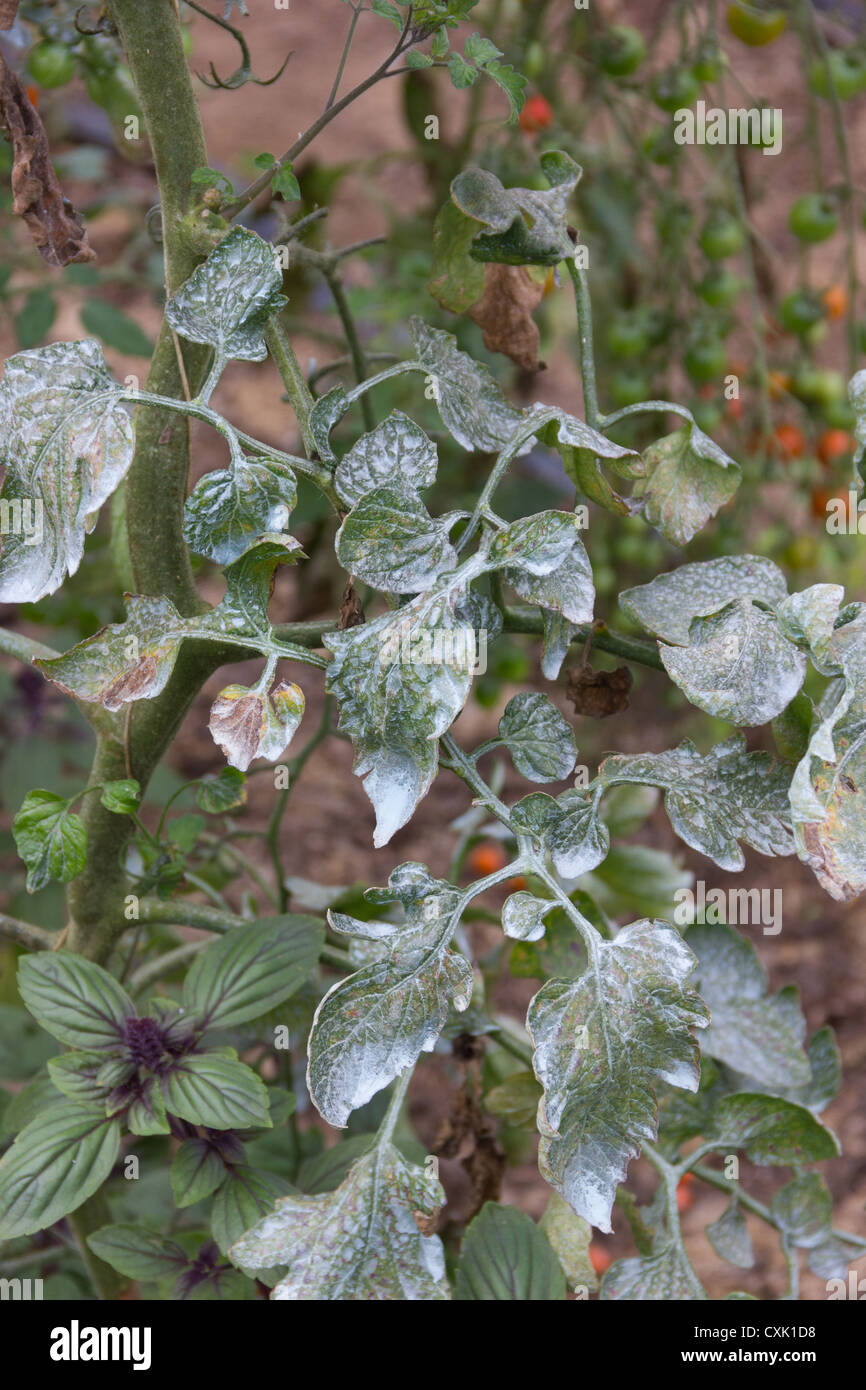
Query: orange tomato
[[835, 444], [516, 885], [32, 95], [734, 408], [821, 498], [790, 442], [685, 1195], [537, 114], [835, 301], [486, 859], [778, 384], [599, 1258]]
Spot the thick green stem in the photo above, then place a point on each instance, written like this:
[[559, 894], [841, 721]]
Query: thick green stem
[[587, 354], [156, 485]]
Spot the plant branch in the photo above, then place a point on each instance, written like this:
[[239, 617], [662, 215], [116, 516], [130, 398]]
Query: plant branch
[[27, 935]]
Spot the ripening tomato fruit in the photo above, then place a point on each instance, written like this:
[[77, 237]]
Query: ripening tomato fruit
[[835, 301], [488, 858], [621, 50], [516, 884], [537, 114], [835, 444], [790, 442], [814, 217], [734, 408], [822, 497], [51, 64], [685, 1193], [778, 384], [599, 1258], [754, 24]]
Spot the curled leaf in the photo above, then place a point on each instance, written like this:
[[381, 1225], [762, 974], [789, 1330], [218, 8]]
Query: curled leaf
[[56, 228], [247, 722]]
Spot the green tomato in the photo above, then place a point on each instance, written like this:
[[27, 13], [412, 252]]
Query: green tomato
[[487, 691], [621, 50], [629, 385], [801, 553], [534, 60], [755, 25], [847, 74], [627, 335], [658, 325], [51, 64], [801, 310], [604, 578], [709, 61], [720, 288], [814, 217], [629, 549], [708, 416], [839, 415], [660, 145], [818, 386], [721, 236], [673, 221], [511, 664], [674, 88], [705, 359]]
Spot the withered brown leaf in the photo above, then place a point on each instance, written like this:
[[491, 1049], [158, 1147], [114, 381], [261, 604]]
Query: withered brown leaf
[[599, 693], [504, 313], [8, 11], [351, 612], [55, 226]]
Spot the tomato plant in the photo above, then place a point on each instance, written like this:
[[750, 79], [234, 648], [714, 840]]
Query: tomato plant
[[414, 559]]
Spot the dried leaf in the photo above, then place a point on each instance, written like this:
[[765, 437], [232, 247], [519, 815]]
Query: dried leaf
[[8, 11], [249, 722], [56, 228], [598, 693], [504, 314]]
